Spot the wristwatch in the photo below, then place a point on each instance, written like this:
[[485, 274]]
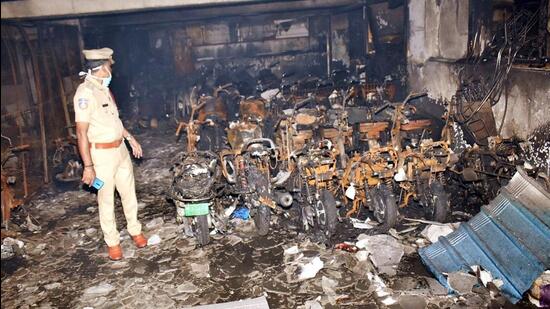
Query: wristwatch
[[129, 137]]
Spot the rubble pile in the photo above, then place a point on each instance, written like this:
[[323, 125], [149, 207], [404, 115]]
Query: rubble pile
[[65, 263]]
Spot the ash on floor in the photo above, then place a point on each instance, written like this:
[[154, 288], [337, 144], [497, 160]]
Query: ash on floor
[[63, 263]]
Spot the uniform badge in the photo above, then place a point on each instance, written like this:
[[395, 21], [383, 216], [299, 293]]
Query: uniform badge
[[83, 103]]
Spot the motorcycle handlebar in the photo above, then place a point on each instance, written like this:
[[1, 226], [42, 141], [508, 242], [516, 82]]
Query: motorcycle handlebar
[[259, 141]]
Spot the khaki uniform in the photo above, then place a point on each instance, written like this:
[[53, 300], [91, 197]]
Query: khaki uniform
[[94, 104]]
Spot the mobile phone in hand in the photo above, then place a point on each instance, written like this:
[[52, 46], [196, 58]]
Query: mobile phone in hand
[[98, 183]]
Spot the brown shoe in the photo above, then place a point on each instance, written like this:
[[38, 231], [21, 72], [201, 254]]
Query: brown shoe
[[140, 240], [115, 253]]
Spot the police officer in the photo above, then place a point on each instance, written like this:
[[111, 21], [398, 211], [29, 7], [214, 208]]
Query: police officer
[[104, 154]]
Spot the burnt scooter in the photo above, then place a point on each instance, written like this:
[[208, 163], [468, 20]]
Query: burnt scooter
[[247, 165], [196, 179], [309, 161], [410, 163]]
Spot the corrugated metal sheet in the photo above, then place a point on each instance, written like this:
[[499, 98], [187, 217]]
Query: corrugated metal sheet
[[510, 238]]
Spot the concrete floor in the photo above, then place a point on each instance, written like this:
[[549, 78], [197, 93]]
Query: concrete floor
[[64, 264]]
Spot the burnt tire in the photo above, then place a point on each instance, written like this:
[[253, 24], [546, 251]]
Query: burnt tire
[[384, 207], [262, 220], [436, 202], [201, 230], [326, 213]]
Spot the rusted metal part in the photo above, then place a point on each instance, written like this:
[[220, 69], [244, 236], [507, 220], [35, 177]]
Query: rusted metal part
[[253, 110], [213, 107], [9, 201], [247, 168], [332, 133], [240, 132], [387, 91], [484, 169], [409, 193], [264, 200], [480, 120], [372, 168], [413, 125], [8, 196], [372, 130], [294, 132], [305, 119], [191, 128]]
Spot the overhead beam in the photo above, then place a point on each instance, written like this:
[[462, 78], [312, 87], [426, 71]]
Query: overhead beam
[[191, 14], [29, 9]]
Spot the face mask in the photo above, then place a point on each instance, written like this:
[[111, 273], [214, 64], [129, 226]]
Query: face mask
[[106, 81]]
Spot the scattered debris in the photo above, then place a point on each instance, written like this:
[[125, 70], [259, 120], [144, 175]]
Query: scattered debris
[[179, 273], [31, 226], [256, 303], [233, 239], [155, 223], [486, 277], [90, 232], [52, 286], [153, 240], [366, 225], [433, 232], [461, 282], [381, 290], [292, 250], [200, 270], [187, 287], [412, 301], [38, 249], [539, 294], [346, 247], [313, 304], [241, 213], [11, 247], [424, 221], [385, 252], [100, 289], [310, 270], [329, 285]]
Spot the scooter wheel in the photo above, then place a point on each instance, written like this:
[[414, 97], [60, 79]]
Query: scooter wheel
[[326, 212], [436, 202], [202, 231], [262, 219], [385, 207]]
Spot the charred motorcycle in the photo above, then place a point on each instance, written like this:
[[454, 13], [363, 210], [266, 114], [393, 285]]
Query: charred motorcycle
[[411, 164], [196, 182], [247, 165], [310, 163]]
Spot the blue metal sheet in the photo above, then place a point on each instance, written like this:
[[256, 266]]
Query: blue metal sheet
[[527, 230], [532, 196], [510, 238]]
